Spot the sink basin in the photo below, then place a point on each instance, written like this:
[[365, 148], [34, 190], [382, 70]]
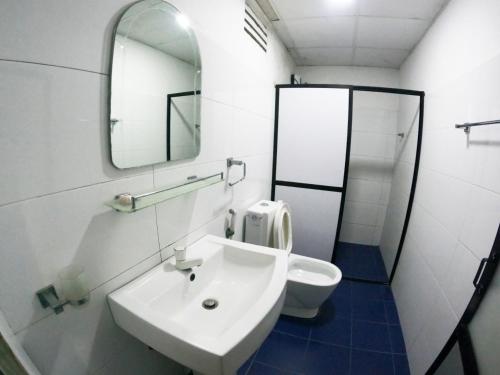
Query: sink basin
[[164, 308]]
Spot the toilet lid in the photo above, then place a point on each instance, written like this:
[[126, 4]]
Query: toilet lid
[[282, 228]]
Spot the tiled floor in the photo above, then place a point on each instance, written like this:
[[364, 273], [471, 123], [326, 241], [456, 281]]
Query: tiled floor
[[357, 332], [360, 262]]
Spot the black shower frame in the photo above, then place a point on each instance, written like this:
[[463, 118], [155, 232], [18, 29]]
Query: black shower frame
[[343, 189], [169, 113], [461, 334]]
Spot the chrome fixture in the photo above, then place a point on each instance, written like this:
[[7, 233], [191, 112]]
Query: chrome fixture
[[230, 224], [113, 123], [180, 259], [127, 202], [49, 298], [469, 125], [230, 163]]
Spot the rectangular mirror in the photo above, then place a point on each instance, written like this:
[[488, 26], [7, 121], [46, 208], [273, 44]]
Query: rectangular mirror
[[155, 87]]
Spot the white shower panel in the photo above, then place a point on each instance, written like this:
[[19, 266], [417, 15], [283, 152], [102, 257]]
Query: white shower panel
[[315, 215], [312, 135]]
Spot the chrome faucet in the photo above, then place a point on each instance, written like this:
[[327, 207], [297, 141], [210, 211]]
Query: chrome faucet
[[181, 263]]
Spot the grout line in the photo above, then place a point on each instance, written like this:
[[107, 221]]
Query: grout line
[[91, 291], [277, 368], [54, 66], [254, 355], [119, 179]]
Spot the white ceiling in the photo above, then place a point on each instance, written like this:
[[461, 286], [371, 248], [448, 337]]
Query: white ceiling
[[378, 33]]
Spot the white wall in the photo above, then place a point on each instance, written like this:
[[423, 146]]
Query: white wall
[[373, 147], [56, 171], [457, 203], [402, 177], [142, 78]]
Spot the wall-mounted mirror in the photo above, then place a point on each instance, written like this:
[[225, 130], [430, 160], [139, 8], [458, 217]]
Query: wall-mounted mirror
[[155, 87]]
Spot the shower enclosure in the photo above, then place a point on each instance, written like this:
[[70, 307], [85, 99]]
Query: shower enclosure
[[346, 160]]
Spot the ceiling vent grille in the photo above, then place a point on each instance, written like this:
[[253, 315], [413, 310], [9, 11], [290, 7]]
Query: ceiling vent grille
[[255, 28]]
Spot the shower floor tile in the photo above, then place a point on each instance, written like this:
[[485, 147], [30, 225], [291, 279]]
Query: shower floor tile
[[346, 337], [360, 262]]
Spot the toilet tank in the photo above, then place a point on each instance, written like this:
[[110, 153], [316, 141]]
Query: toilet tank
[[259, 223]]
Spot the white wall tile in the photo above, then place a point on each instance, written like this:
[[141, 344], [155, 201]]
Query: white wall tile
[[364, 190], [350, 75], [53, 132], [81, 340], [460, 274], [320, 55], [79, 46], [55, 147], [481, 222], [46, 234], [360, 213], [357, 233], [458, 182]]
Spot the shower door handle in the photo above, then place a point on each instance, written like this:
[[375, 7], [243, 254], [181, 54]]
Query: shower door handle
[[479, 272]]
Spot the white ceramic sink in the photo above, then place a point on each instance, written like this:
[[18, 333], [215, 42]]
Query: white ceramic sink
[[163, 308]]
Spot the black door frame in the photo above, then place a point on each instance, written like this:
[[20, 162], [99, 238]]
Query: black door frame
[[342, 189], [482, 280], [169, 114]]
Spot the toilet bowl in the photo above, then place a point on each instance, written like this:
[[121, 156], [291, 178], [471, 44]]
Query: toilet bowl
[[310, 281]]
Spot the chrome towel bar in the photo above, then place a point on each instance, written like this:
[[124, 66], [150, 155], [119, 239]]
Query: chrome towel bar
[[230, 163], [127, 202], [469, 125]]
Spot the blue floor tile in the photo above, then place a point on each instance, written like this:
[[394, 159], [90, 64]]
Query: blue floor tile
[[342, 290], [262, 369], [294, 326], [362, 290], [368, 309], [335, 307], [282, 351], [326, 359], [243, 369], [360, 261], [371, 363], [397, 340], [355, 332], [392, 312], [400, 365], [387, 293], [336, 331], [370, 336]]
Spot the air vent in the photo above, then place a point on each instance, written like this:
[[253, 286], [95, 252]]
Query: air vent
[[255, 28]]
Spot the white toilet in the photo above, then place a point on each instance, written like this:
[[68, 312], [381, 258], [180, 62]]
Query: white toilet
[[310, 281]]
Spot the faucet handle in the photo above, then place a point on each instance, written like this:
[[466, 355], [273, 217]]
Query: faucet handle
[[180, 253]]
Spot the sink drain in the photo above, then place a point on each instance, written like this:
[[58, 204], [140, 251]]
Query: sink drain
[[210, 304]]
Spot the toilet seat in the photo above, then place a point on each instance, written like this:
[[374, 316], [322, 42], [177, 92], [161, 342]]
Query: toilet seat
[[282, 228]]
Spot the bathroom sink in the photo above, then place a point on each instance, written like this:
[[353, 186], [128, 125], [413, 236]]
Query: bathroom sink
[[213, 317]]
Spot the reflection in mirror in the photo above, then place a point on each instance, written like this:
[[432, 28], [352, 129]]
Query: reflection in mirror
[[155, 87]]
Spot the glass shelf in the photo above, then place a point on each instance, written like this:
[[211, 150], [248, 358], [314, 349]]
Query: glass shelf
[[130, 203]]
